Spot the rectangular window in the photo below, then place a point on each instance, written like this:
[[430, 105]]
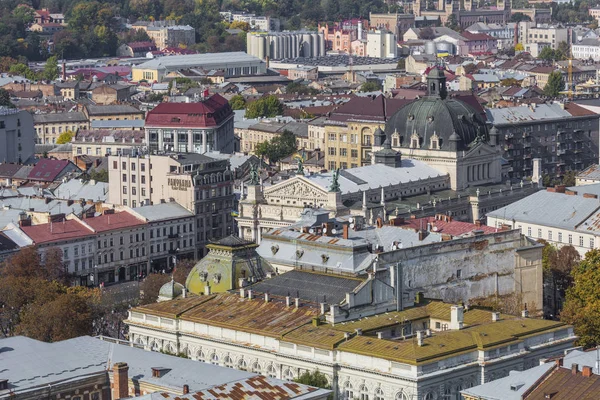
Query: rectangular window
[[143, 167], [124, 177], [570, 239], [580, 241], [124, 189], [115, 165], [560, 237], [132, 178], [344, 152], [133, 166], [549, 235], [143, 179], [354, 153], [539, 233], [528, 231], [124, 164]]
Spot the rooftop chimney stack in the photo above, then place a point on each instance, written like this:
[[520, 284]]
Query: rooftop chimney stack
[[586, 371], [288, 301], [186, 389], [120, 381], [420, 338], [297, 302], [242, 293], [456, 317], [574, 369], [495, 316]]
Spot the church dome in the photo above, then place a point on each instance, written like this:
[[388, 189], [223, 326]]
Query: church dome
[[437, 118]]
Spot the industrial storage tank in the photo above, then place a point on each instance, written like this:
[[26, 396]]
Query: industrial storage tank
[[430, 48], [444, 48]]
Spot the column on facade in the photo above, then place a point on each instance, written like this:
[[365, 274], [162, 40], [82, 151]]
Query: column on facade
[[190, 141], [160, 140], [176, 140], [204, 141]]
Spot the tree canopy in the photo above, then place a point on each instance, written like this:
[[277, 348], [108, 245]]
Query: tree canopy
[[555, 84], [265, 107], [582, 307], [370, 87], [65, 137], [36, 301], [519, 16], [277, 148], [5, 98], [558, 264], [314, 378], [237, 102]]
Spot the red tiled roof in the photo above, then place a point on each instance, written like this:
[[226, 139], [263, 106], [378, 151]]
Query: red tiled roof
[[563, 385], [476, 36], [142, 45], [368, 108], [56, 231], [453, 228], [210, 112], [577, 111], [108, 222], [47, 170]]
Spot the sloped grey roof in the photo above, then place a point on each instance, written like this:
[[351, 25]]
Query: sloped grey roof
[[76, 189], [59, 117], [308, 286], [504, 388], [549, 209], [163, 211], [524, 114]]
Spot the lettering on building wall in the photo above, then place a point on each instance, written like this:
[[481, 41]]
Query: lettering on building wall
[[179, 184]]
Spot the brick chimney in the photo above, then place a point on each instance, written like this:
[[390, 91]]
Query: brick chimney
[[120, 389], [586, 371], [186, 389], [574, 369], [346, 228]]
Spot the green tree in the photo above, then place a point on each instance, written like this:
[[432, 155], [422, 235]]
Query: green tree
[[519, 47], [277, 148], [547, 54], [556, 84], [23, 70], [563, 51], [99, 175], [519, 16], [5, 99], [51, 70], [265, 107], [314, 378], [237, 102], [557, 264], [582, 307], [401, 64], [65, 137], [452, 23], [300, 89], [370, 86]]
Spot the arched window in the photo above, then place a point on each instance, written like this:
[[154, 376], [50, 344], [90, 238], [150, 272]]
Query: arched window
[[228, 362], [288, 375], [348, 391], [201, 356], [401, 396], [429, 396], [214, 359], [256, 368], [271, 371], [364, 392], [379, 395], [154, 346], [243, 365]]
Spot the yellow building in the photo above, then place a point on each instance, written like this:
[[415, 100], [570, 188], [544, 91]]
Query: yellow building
[[48, 127], [350, 129], [231, 263]]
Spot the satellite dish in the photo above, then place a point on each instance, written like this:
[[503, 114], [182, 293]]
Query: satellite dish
[[334, 231], [394, 247], [352, 226], [311, 231], [435, 228], [324, 229], [351, 220]]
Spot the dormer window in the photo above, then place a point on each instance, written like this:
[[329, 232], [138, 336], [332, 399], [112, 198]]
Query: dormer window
[[414, 141], [434, 143]]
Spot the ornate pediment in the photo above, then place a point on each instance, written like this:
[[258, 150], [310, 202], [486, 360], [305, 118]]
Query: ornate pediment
[[297, 188], [482, 149]]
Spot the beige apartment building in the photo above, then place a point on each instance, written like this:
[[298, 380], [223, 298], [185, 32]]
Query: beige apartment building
[[349, 131], [167, 36], [537, 37], [48, 127], [105, 142], [201, 184], [267, 129]]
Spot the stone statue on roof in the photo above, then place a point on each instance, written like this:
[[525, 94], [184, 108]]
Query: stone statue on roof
[[300, 170], [335, 186], [254, 178]]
